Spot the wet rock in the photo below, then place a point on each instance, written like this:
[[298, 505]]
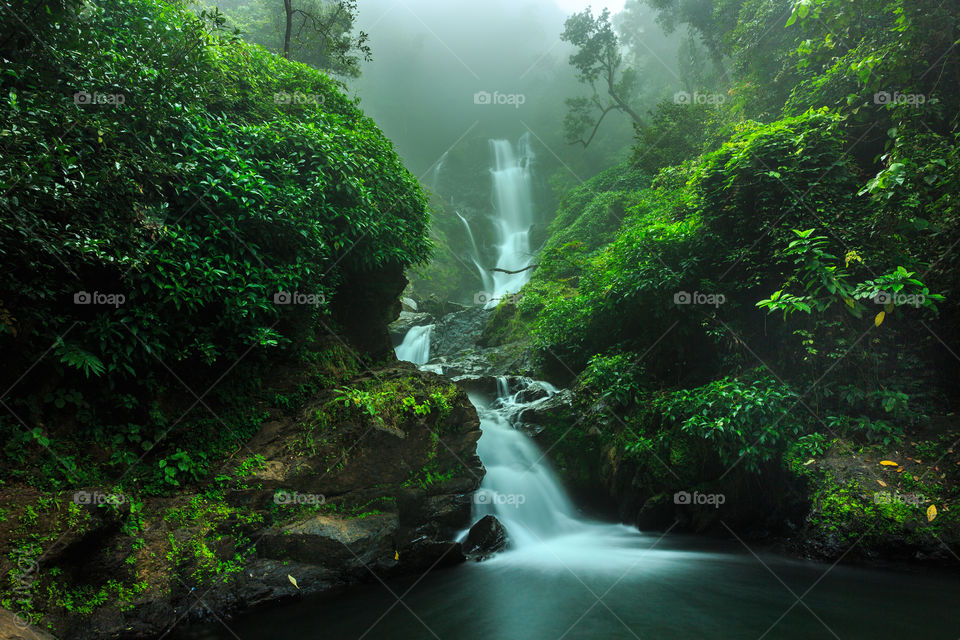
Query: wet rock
[[458, 332], [406, 321], [333, 540], [15, 626], [408, 304], [485, 538], [549, 409]]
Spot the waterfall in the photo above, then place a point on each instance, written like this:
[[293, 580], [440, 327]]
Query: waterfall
[[415, 347], [437, 168], [519, 488], [484, 274], [513, 207]]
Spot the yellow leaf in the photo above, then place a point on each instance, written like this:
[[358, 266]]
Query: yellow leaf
[[931, 513], [849, 302], [882, 483], [889, 463], [808, 462], [888, 307], [879, 319], [293, 581], [396, 555]]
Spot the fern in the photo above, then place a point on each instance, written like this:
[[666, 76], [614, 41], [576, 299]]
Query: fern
[[77, 358]]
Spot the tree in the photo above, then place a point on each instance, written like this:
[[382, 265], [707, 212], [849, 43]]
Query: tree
[[598, 59], [314, 32], [323, 34]]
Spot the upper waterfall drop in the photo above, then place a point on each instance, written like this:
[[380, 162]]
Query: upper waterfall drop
[[415, 347], [512, 175]]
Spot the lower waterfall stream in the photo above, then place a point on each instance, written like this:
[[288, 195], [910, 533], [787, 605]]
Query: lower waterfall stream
[[565, 576]]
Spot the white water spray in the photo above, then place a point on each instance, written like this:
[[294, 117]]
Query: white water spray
[[513, 207], [415, 347], [519, 488]]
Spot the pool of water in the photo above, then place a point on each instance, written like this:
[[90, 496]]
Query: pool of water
[[613, 582]]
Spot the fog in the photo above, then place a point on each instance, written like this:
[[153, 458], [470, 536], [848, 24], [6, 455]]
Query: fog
[[443, 73]]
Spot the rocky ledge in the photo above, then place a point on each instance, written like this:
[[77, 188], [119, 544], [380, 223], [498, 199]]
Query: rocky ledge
[[355, 487]]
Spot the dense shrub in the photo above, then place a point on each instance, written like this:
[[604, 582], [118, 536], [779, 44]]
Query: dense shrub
[[191, 177]]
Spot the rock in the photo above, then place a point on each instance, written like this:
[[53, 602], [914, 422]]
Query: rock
[[548, 409], [408, 304], [406, 321], [367, 302], [16, 626], [351, 544], [485, 538]]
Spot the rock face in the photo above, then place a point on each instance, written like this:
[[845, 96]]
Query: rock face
[[327, 497], [16, 627], [486, 537], [406, 321]]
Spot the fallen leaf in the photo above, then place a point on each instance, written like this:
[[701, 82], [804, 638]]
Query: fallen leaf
[[889, 463], [882, 483], [900, 470], [293, 581], [877, 321], [396, 555], [810, 461], [931, 513]]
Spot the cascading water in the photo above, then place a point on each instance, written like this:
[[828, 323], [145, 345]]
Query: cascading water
[[513, 205], [511, 174], [519, 487], [484, 274], [415, 347]]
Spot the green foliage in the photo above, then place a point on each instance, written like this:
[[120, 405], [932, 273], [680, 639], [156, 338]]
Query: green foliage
[[150, 217], [748, 419]]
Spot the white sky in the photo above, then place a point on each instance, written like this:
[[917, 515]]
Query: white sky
[[572, 6]]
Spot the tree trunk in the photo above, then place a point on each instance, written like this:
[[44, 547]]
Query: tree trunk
[[288, 9]]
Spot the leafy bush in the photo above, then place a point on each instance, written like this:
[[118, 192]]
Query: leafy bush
[[157, 165]]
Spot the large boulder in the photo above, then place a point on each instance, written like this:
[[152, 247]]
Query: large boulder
[[486, 537]]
